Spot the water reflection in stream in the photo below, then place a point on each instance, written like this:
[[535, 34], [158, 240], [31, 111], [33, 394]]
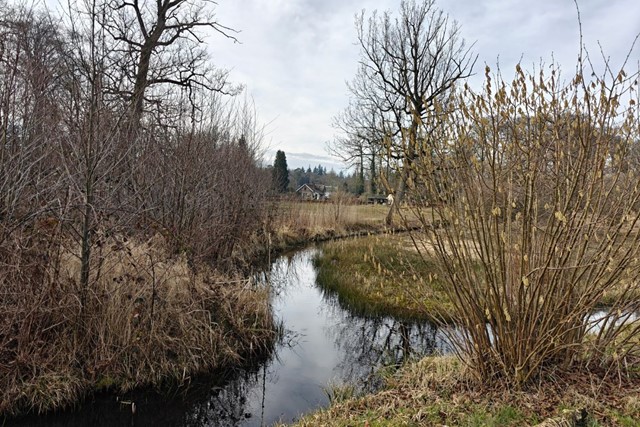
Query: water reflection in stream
[[326, 344], [323, 344]]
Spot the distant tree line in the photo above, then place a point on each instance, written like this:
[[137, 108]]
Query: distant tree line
[[341, 181], [285, 180]]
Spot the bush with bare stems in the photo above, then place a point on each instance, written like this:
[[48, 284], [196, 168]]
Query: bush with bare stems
[[540, 197], [123, 196]]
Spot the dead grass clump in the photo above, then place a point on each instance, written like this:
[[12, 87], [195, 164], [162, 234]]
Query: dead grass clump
[[442, 391], [148, 319], [405, 400]]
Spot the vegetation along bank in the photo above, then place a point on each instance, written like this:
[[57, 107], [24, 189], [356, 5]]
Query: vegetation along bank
[[382, 275], [534, 178]]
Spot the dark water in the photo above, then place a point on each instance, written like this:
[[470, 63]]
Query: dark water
[[323, 344]]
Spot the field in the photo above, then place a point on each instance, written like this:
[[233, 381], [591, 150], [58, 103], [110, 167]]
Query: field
[[333, 214], [296, 222]]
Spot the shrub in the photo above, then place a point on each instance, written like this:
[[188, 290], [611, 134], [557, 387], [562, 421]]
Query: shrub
[[539, 180]]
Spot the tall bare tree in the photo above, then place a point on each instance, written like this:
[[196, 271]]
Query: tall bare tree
[[30, 71], [360, 143], [408, 64]]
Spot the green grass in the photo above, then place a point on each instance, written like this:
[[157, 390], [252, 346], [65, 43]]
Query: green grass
[[627, 421], [381, 275], [503, 416], [340, 392]]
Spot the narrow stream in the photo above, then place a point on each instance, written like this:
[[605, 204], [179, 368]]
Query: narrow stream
[[323, 344]]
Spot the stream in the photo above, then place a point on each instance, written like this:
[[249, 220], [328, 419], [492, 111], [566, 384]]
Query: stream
[[323, 344]]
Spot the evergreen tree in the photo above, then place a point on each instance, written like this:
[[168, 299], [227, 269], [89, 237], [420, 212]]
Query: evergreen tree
[[280, 172]]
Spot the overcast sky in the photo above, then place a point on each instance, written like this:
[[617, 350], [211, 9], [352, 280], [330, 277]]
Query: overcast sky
[[295, 56]]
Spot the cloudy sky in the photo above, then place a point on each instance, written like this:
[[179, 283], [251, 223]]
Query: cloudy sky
[[295, 56]]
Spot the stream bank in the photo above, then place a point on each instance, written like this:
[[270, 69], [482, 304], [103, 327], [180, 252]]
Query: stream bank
[[323, 345]]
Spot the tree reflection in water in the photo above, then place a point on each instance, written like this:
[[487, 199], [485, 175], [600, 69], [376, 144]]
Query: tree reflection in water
[[367, 344], [227, 406]]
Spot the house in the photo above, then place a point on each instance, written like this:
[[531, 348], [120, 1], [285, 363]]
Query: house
[[312, 192]]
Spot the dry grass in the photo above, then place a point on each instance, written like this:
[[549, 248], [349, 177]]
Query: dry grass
[[438, 391], [318, 216], [297, 222], [147, 320]]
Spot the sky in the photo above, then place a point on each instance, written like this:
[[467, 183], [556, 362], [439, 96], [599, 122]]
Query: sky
[[295, 56]]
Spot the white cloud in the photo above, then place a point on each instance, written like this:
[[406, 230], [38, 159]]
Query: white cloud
[[296, 55]]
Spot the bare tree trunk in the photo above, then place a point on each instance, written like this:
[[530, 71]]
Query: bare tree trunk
[[398, 196], [407, 166], [85, 255]]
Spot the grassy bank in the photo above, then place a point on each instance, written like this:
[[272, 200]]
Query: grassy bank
[[380, 275], [147, 319], [440, 391], [385, 275]]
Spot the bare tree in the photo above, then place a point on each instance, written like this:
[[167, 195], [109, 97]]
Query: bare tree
[[78, 195], [409, 64], [360, 143], [208, 199], [30, 71], [159, 43], [88, 149]]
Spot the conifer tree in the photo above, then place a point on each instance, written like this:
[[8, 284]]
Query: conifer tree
[[280, 172]]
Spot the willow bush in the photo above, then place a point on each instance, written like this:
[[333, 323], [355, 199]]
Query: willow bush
[[536, 184]]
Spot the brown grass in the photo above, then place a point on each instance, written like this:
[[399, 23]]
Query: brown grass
[[296, 222], [441, 391], [148, 320], [338, 215]]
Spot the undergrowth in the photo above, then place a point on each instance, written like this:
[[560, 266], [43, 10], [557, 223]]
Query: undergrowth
[[148, 319], [442, 391]]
